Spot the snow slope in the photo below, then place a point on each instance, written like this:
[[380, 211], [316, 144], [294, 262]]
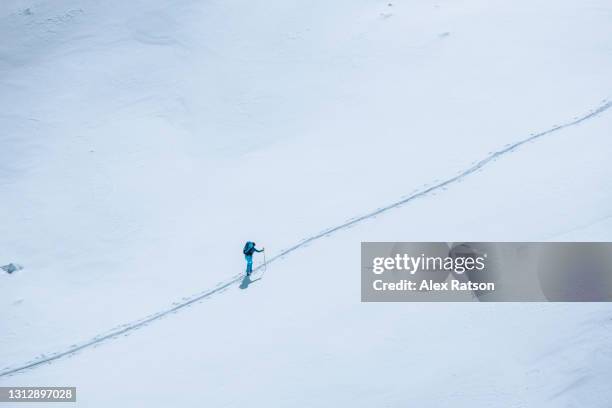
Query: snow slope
[[143, 143]]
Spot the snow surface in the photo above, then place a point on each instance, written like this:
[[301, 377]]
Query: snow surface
[[142, 142]]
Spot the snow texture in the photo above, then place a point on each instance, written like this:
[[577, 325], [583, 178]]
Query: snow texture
[[143, 142]]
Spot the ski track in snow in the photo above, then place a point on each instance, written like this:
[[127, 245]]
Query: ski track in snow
[[129, 327]]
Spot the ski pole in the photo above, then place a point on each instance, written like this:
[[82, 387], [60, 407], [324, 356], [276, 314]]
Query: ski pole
[[265, 268]]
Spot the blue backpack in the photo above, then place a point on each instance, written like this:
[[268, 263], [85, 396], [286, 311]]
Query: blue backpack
[[249, 247]]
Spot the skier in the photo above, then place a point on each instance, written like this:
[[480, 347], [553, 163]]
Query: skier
[[248, 250]]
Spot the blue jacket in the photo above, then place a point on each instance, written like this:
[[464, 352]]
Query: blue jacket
[[253, 249]]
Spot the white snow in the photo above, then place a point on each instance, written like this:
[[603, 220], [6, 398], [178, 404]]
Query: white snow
[[142, 142]]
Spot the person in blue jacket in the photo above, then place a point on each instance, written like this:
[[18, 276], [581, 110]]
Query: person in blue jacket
[[249, 249]]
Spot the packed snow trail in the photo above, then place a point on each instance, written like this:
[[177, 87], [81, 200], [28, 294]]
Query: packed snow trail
[[126, 328]]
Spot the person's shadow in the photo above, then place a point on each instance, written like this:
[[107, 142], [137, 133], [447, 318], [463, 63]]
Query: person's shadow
[[247, 281]]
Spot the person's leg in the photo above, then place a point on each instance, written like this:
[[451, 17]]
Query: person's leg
[[249, 268]]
